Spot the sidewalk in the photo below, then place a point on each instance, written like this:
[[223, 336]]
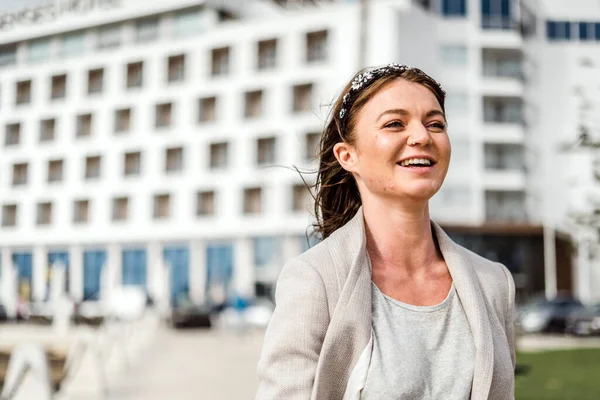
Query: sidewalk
[[536, 343], [194, 364]]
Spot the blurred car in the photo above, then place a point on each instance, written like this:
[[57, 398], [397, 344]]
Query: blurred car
[[186, 314], [543, 315], [585, 321], [3, 313]]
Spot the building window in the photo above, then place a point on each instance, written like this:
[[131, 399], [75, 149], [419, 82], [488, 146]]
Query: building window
[[454, 8], [120, 208], [12, 134], [163, 115], [8, 54], [501, 63], [454, 54], [93, 263], [312, 142], [301, 198], [174, 159], [496, 14], [23, 92], [81, 211], [252, 201], [186, 22], [265, 151], [267, 251], [162, 206], [134, 268], [146, 30], [219, 155], [55, 170], [558, 30], [207, 109], [502, 110], [92, 167], [132, 164], [44, 213], [205, 203], [302, 98], [72, 44], [109, 37], [95, 81], [84, 125], [597, 25], [220, 61], [19, 172], [504, 157], [47, 130], [316, 46], [176, 68], [267, 54], [505, 206], [135, 75], [586, 31], [9, 215], [122, 120], [39, 50], [253, 104], [59, 87]]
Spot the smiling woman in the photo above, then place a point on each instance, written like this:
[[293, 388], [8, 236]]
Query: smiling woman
[[387, 306]]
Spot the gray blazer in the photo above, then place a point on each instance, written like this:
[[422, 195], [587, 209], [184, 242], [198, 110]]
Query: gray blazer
[[318, 343]]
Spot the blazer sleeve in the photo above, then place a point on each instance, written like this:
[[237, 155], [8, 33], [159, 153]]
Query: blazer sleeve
[[294, 336], [510, 315]]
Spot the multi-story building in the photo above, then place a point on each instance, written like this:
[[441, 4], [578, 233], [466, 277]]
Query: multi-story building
[[140, 135]]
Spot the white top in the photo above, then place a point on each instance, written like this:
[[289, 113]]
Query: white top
[[419, 352]]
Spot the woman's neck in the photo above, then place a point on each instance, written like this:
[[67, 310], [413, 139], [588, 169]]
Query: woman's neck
[[400, 238]]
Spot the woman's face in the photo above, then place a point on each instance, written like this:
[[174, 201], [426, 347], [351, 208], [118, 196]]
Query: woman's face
[[401, 147]]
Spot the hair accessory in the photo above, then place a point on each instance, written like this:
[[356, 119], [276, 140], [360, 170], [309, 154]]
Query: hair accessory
[[363, 80]]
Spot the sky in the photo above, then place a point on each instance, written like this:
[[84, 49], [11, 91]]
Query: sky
[[12, 5]]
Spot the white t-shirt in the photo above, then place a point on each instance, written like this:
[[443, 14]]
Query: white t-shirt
[[419, 352]]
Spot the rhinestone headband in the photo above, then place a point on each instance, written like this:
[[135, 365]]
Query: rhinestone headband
[[365, 79]]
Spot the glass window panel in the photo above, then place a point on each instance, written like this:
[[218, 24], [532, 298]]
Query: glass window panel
[[454, 54], [186, 23], [73, 44], [40, 50]]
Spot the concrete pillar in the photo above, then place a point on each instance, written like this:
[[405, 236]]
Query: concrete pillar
[[5, 261], [155, 264], [243, 268], [40, 273], [198, 271], [114, 262], [76, 272]]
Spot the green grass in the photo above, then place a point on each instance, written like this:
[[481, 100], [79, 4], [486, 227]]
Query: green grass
[[559, 375]]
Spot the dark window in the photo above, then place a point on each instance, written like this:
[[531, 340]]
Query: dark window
[[597, 24], [558, 30], [454, 8]]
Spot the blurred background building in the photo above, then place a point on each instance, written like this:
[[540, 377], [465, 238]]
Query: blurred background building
[[140, 134]]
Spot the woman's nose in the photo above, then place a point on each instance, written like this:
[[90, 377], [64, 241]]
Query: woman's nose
[[419, 136]]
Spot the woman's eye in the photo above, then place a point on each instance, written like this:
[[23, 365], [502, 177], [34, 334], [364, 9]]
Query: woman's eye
[[438, 125], [394, 124]]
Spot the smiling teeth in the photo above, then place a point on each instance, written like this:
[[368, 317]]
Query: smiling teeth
[[415, 161]]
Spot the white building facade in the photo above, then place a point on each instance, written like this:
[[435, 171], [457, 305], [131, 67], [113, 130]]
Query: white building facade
[[140, 135]]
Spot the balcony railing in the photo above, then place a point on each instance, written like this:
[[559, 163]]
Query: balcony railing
[[498, 22]]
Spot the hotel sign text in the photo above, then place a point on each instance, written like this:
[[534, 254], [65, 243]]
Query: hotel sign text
[[51, 12]]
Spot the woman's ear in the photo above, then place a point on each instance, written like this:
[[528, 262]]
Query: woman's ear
[[346, 156]]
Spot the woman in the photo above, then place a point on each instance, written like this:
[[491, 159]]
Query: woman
[[387, 306]]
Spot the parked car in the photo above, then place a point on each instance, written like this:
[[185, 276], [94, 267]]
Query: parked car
[[542, 315], [186, 314], [585, 322]]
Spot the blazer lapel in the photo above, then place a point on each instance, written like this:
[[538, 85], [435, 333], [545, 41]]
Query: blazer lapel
[[349, 331], [473, 302]]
